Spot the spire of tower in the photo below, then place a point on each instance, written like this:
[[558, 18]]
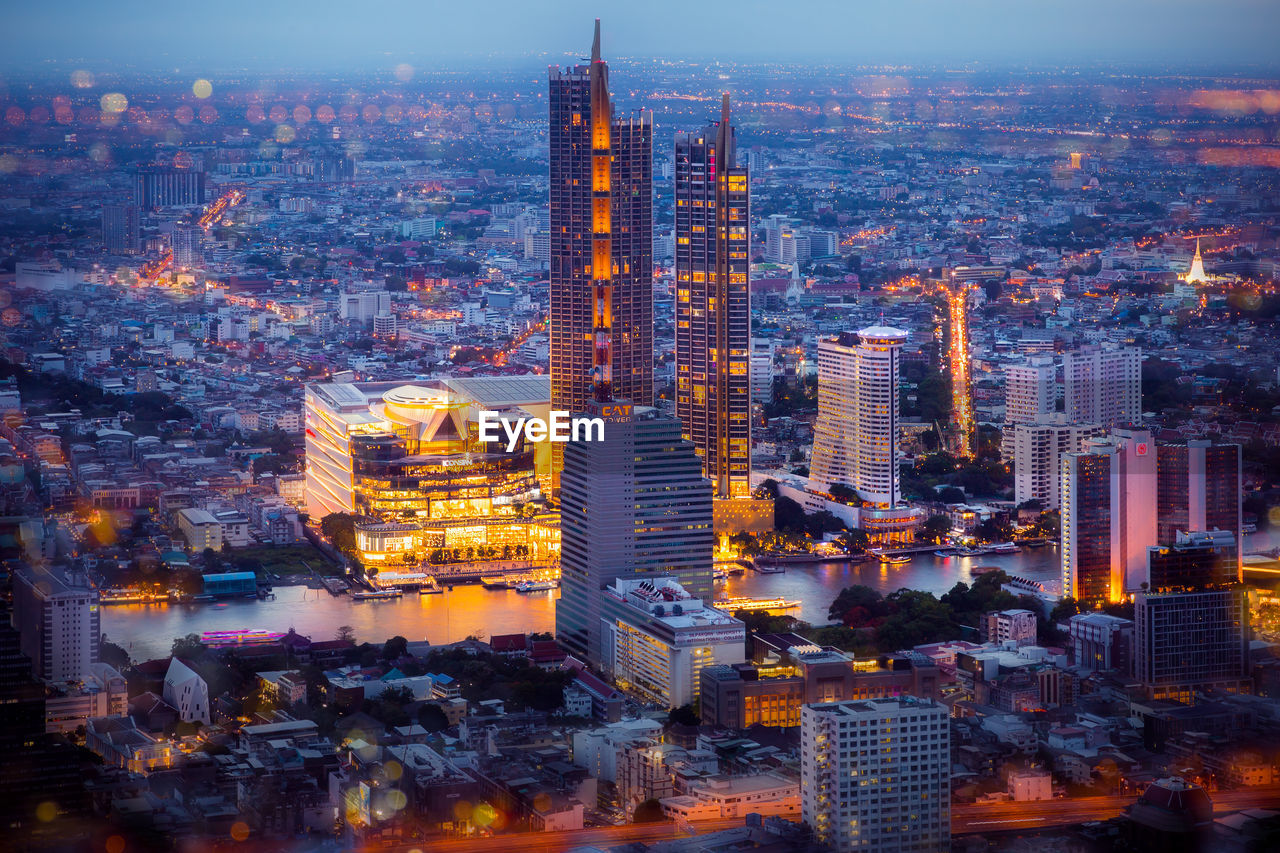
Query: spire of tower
[[595, 43], [724, 110]]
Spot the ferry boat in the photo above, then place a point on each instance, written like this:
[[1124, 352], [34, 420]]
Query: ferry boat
[[242, 637], [769, 569], [1004, 548], [895, 560], [755, 605], [430, 587], [719, 575], [536, 586], [944, 554], [494, 582], [378, 595]]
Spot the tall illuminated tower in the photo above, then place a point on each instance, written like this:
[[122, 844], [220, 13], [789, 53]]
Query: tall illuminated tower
[[713, 304], [961, 380], [601, 317]]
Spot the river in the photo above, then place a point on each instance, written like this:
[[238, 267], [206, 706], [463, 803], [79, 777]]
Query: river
[[147, 631]]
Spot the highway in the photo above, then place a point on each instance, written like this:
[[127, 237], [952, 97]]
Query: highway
[[965, 819], [1006, 817]]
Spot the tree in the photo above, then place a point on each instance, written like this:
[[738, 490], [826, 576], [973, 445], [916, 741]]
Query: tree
[[650, 811], [187, 647], [684, 716], [952, 495], [340, 529], [934, 529], [113, 655], [432, 718], [844, 492], [345, 632], [853, 541], [856, 605], [395, 648]]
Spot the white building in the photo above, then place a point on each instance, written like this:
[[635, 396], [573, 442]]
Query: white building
[[1029, 395], [1103, 385], [761, 369], [875, 775], [1038, 449], [657, 639], [363, 306], [1029, 785], [56, 615], [186, 691], [855, 440], [1010, 626], [721, 797]]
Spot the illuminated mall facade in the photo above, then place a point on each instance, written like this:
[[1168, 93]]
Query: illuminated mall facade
[[406, 457]]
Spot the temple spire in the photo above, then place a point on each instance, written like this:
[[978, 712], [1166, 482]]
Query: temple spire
[[595, 43]]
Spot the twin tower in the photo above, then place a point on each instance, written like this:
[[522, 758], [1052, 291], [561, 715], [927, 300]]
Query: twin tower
[[601, 317]]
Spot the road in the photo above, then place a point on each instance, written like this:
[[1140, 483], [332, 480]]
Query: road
[[1004, 817], [965, 819]]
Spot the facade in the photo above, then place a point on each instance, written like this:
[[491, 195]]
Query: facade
[[633, 504], [1103, 385], [200, 529], [167, 186], [56, 615], [409, 458], [1108, 515], [1101, 642], [761, 370], [1029, 391], [1189, 641], [1199, 488], [723, 797], [713, 304], [875, 775], [657, 639], [121, 229], [1194, 561], [186, 691], [1010, 626], [187, 251], [771, 692], [601, 215], [1038, 448]]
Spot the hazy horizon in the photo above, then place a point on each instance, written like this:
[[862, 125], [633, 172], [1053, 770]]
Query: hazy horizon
[[131, 36]]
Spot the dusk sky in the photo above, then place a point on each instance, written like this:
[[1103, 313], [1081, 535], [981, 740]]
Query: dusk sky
[[376, 35]]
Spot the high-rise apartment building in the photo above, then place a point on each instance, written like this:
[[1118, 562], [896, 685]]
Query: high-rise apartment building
[[1038, 449], [1108, 515], [601, 219], [1199, 489], [633, 504], [1029, 391], [874, 775], [856, 436], [713, 304], [167, 186], [1189, 641], [761, 370], [187, 252], [121, 230], [56, 613], [1103, 385]]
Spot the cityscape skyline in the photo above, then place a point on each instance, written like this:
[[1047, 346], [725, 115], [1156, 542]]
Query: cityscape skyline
[[923, 485]]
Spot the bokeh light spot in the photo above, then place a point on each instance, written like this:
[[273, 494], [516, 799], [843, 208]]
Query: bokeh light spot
[[285, 133], [47, 811], [301, 114], [184, 114], [325, 114], [82, 79], [239, 830], [202, 88], [113, 102], [404, 72], [484, 814], [115, 844]]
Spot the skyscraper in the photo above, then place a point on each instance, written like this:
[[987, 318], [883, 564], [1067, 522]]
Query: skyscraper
[[1029, 393], [713, 304], [1198, 489], [56, 614], [166, 186], [121, 232], [874, 775], [1108, 515], [1103, 385], [601, 216], [856, 436], [635, 503], [187, 252], [855, 439]]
